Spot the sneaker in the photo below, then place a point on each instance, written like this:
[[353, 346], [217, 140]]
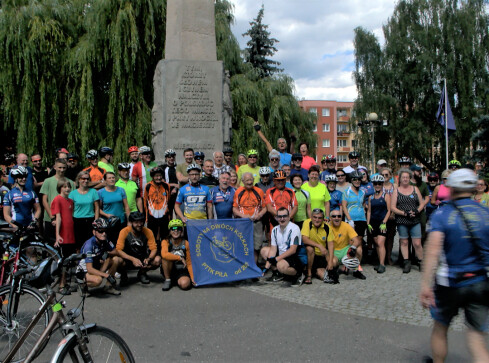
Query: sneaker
[[109, 289], [380, 269], [276, 276], [143, 278], [327, 279], [407, 266], [300, 280], [334, 276], [166, 285], [359, 275], [117, 275]]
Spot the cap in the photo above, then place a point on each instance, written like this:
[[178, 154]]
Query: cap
[[381, 161], [415, 167]]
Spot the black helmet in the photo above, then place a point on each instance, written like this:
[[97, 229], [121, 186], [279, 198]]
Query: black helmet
[[136, 216], [227, 150], [353, 154], [100, 224], [433, 176], [105, 151], [156, 170], [296, 156], [404, 160], [73, 156], [355, 174], [170, 153]]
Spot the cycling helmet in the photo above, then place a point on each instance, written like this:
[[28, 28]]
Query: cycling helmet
[[123, 166], [156, 170], [170, 153], [175, 223], [279, 174], [331, 178], [377, 178], [100, 224], [19, 172], [329, 158], [199, 155], [136, 216], [73, 156], [350, 263], [355, 174], [105, 151], [193, 167], [404, 160], [133, 149], [228, 150], [353, 154], [455, 163], [462, 179], [296, 156], [144, 149], [433, 177], [252, 152], [265, 170], [91, 154]]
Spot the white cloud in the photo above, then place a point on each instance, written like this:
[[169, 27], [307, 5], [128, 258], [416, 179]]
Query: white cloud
[[316, 39]]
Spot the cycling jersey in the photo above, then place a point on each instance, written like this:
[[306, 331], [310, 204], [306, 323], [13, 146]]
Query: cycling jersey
[[132, 193], [344, 233], [140, 174], [249, 201], [106, 167], [248, 169], [194, 200], [319, 195], [136, 245], [303, 199], [335, 201], [285, 158], [223, 202], [368, 188], [29, 182], [354, 204], [283, 239], [95, 251], [321, 234], [326, 173], [281, 198], [21, 205], [96, 173], [172, 252], [156, 199]]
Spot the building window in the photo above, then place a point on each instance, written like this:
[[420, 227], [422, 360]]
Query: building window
[[315, 128], [342, 143], [325, 127], [326, 143], [341, 113], [354, 143], [313, 110], [341, 158], [325, 112], [342, 128]]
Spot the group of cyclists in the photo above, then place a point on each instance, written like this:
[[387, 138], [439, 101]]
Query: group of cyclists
[[309, 220]]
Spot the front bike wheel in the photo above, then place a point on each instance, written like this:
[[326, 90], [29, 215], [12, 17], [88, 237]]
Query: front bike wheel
[[26, 304], [104, 345], [33, 253]]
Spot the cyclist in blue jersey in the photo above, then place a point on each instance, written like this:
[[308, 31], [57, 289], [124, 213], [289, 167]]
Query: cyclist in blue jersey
[[329, 167], [223, 196], [458, 244], [20, 205], [353, 204], [195, 197], [336, 195]]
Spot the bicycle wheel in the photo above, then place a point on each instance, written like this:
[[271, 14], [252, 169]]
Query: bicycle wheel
[[103, 344], [33, 253], [27, 304]]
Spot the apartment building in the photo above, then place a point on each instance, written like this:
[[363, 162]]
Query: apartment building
[[332, 128]]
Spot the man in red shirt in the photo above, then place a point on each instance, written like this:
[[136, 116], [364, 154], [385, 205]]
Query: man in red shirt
[[279, 196]]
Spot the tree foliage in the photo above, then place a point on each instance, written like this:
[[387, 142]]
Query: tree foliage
[[425, 41], [480, 141], [260, 47], [79, 74]]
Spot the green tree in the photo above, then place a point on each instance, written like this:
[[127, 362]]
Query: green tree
[[480, 141], [260, 47], [425, 41]]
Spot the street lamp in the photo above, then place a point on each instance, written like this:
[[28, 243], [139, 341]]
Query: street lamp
[[372, 120]]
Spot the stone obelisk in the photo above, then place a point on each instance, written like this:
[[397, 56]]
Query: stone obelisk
[[192, 104]]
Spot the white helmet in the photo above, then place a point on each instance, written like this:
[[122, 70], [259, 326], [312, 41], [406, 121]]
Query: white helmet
[[462, 179], [350, 263], [18, 172], [265, 170], [377, 178], [331, 178], [144, 149], [193, 167]]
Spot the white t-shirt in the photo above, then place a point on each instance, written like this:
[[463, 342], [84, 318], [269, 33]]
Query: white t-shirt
[[291, 235]]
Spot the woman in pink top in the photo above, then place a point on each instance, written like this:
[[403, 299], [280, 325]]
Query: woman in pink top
[[307, 161], [441, 192]]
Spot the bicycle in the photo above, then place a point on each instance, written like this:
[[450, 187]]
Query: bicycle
[[81, 342]]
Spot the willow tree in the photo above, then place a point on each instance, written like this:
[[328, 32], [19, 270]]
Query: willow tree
[[425, 41]]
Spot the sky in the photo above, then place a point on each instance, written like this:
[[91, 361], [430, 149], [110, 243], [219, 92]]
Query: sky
[[315, 39]]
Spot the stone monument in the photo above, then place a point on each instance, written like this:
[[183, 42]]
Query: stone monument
[[192, 99]]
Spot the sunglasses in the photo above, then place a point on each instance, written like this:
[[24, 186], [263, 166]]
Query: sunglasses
[[282, 216], [340, 175], [176, 229], [317, 210], [355, 179], [378, 183], [101, 231], [274, 159], [35, 161], [297, 160], [86, 179], [171, 156], [252, 156], [198, 158], [336, 216]]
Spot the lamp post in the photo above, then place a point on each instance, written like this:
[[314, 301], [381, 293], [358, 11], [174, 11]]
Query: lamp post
[[372, 120]]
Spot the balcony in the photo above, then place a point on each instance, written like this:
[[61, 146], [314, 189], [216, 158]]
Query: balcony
[[343, 149], [343, 133], [343, 118]]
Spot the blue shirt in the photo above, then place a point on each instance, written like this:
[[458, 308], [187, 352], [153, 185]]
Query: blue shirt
[[112, 202], [335, 201], [29, 182], [302, 172], [21, 205], [354, 204], [94, 250], [368, 188], [285, 158], [325, 173], [459, 254], [223, 202], [194, 200]]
